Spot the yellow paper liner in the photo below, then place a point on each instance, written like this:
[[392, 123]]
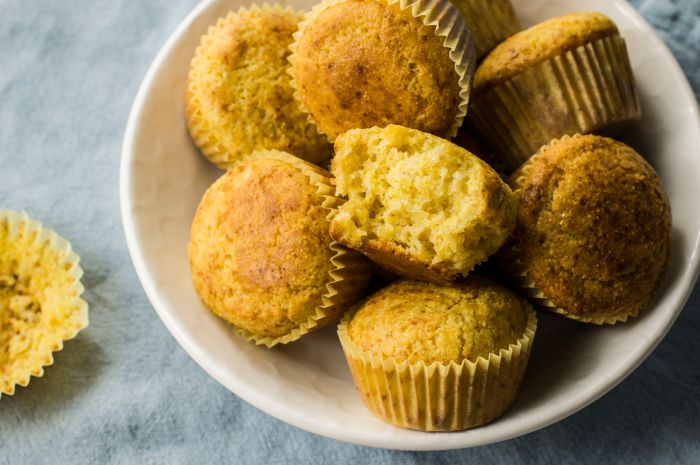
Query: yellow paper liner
[[348, 279], [197, 123], [509, 258], [587, 89], [449, 24], [439, 396], [489, 21], [59, 251]]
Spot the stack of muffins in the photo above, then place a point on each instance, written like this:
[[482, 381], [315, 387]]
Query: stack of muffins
[[334, 127]]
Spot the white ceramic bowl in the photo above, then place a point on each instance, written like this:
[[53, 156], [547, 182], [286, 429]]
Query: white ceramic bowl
[[308, 383]]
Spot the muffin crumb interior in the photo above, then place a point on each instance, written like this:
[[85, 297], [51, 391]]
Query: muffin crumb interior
[[418, 192]]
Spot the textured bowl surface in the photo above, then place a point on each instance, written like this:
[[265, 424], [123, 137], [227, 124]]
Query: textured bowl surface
[[308, 383]]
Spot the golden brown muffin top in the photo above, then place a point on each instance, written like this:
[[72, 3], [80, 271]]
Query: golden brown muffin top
[[362, 63], [540, 43], [594, 225], [259, 247], [415, 321], [240, 93]]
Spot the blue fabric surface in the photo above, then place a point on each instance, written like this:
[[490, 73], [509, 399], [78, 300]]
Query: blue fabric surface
[[123, 391]]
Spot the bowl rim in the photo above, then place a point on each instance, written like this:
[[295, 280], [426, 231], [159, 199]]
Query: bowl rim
[[281, 410]]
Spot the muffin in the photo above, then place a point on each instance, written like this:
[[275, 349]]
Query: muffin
[[40, 304], [417, 205], [260, 254], [364, 63], [490, 22], [593, 234], [565, 76], [239, 98], [439, 358]]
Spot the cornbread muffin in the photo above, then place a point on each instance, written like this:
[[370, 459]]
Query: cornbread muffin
[[260, 253], [418, 205], [439, 358], [594, 229], [539, 43], [40, 304], [565, 76], [489, 21], [239, 98], [364, 63], [423, 322]]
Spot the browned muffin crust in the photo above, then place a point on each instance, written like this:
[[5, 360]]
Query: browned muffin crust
[[259, 248], [421, 322], [362, 63], [239, 97], [540, 43], [594, 226]]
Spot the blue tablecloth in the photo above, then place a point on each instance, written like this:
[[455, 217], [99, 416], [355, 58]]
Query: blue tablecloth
[[124, 391]]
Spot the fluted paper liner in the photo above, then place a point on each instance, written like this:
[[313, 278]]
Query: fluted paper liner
[[509, 259], [198, 125], [449, 24], [56, 253], [587, 89], [490, 22], [439, 396], [348, 279]]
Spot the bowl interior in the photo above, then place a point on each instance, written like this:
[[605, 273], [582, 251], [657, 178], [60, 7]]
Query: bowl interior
[[307, 383]]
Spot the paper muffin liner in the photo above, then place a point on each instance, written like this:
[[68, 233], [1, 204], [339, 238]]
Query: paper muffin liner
[[199, 126], [489, 21], [449, 24], [439, 396], [56, 253], [584, 90], [509, 259], [351, 271]]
